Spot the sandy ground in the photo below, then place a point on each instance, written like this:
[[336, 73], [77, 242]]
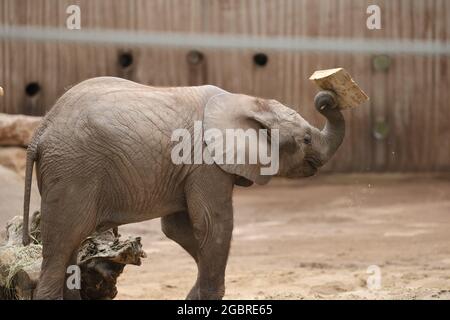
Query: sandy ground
[[307, 239], [315, 239]]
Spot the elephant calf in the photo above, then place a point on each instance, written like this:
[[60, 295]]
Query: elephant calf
[[103, 158]]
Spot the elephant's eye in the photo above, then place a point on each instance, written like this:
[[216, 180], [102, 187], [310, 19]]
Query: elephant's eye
[[307, 139]]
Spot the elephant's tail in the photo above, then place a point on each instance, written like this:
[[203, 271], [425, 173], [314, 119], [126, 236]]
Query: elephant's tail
[[31, 158]]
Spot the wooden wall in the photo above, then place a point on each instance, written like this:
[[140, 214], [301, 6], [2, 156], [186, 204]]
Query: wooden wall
[[410, 101]]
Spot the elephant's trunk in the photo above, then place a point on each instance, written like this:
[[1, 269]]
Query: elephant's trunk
[[330, 137]]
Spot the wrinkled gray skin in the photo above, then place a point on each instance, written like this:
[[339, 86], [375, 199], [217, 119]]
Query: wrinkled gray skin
[[102, 159]]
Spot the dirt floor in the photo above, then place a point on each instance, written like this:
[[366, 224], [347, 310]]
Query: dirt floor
[[307, 239], [315, 239]]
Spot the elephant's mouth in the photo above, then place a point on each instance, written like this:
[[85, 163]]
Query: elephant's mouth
[[310, 168], [313, 162]]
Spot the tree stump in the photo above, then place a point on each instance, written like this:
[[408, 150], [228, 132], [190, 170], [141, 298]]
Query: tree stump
[[101, 258]]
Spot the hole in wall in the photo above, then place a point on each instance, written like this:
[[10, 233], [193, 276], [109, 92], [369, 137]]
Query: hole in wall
[[381, 130], [260, 59], [194, 57], [381, 63], [32, 89], [125, 59]]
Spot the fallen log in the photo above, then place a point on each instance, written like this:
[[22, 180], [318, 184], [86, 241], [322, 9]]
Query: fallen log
[[101, 259], [17, 129]]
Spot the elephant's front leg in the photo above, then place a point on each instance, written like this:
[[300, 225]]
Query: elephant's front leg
[[210, 209]]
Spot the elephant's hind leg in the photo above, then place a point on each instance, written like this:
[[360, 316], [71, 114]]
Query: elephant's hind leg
[[65, 222], [178, 227]]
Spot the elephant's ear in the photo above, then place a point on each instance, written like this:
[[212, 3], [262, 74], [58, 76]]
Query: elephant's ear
[[240, 113]]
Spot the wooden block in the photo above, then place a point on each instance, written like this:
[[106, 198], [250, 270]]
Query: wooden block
[[338, 80]]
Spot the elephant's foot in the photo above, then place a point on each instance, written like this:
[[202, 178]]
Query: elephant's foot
[[193, 294], [206, 294]]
